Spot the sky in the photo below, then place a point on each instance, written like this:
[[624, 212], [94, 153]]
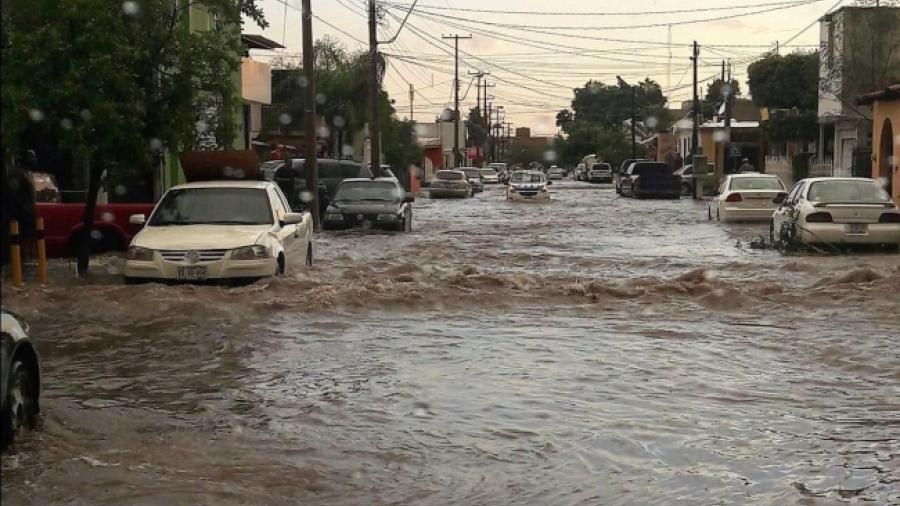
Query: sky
[[537, 52]]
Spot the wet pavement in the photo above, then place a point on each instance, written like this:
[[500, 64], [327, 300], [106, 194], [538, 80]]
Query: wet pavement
[[591, 350]]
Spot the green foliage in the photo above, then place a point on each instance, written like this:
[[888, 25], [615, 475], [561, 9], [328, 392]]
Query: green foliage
[[785, 82], [398, 139], [476, 133], [716, 94], [802, 126], [609, 106], [611, 145]]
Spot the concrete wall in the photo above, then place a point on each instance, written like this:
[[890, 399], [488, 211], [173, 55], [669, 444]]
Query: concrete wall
[[256, 81]]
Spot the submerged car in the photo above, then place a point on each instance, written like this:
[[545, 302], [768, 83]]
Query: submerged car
[[21, 379], [622, 170], [650, 180], [746, 197], [370, 203], [600, 173], [528, 186], [473, 174], [490, 176], [292, 179], [836, 211], [225, 230], [450, 184]]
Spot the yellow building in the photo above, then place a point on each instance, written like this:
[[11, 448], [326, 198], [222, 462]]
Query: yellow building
[[886, 136]]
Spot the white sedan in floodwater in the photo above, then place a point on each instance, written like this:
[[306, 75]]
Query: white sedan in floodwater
[[836, 211], [528, 186], [746, 197], [219, 230]]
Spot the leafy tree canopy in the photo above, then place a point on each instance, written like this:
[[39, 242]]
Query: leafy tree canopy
[[785, 82]]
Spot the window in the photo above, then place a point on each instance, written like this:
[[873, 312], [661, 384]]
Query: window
[[847, 191], [214, 206], [448, 175], [756, 183], [795, 193]]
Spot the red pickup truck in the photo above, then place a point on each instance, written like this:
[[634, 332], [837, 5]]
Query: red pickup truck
[[64, 226]]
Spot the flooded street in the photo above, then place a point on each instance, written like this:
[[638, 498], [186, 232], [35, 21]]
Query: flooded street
[[591, 350]]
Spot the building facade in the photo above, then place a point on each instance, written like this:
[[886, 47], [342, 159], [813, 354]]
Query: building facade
[[886, 137]]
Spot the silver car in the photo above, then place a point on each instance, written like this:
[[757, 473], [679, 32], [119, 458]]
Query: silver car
[[473, 174], [450, 184]]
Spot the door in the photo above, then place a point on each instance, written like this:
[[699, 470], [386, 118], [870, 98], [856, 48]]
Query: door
[[288, 235], [847, 147]]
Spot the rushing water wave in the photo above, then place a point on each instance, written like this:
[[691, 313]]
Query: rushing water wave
[[592, 350]]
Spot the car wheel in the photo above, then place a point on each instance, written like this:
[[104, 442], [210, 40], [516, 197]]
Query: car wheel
[[282, 268], [772, 232], [718, 214], [709, 212], [21, 406], [408, 222], [309, 254], [685, 190]]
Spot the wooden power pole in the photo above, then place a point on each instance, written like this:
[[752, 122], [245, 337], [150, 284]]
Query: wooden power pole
[[456, 154], [374, 137], [311, 169]]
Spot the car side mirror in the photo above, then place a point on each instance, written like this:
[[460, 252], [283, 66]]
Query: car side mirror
[[137, 219], [780, 198], [291, 219]]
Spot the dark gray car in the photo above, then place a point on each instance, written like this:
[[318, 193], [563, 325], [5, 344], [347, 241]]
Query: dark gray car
[[370, 203], [21, 378]]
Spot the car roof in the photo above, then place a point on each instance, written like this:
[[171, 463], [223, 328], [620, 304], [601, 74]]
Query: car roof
[[751, 174], [252, 184], [818, 179]]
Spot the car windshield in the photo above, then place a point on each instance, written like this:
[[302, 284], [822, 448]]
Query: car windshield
[[449, 175], [488, 172], [525, 177], [601, 166], [847, 191], [214, 206], [368, 190], [756, 183], [473, 173]]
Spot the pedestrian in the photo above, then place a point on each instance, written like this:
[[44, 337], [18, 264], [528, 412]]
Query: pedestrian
[[746, 166], [678, 162]]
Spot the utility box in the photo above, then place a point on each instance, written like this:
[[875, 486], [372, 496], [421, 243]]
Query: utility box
[[700, 169]]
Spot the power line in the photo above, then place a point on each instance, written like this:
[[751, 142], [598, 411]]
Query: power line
[[594, 13]]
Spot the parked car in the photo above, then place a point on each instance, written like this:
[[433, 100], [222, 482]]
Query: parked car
[[225, 230], [528, 186], [837, 211], [370, 203], [579, 174], [450, 184], [64, 226], [292, 180], [554, 173], [490, 176], [746, 197], [473, 174], [650, 180], [20, 378], [622, 169], [600, 173], [687, 180]]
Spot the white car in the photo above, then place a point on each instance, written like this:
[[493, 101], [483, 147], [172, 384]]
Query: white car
[[219, 230], [836, 211], [600, 173], [528, 186], [490, 176], [746, 197], [554, 173]]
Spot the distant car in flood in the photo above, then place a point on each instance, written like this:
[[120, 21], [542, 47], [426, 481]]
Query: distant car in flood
[[528, 186], [555, 173], [370, 203], [450, 184], [836, 211], [473, 174], [687, 179], [600, 173], [650, 180], [490, 176], [746, 197], [622, 169], [21, 379]]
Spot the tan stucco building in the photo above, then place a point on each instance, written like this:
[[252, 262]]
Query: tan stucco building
[[886, 136]]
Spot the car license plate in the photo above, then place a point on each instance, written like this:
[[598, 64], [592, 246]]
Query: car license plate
[[855, 228], [192, 273]]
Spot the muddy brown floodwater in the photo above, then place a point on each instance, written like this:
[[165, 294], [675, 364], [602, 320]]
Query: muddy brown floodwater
[[593, 350]]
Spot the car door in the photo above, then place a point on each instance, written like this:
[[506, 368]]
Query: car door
[[288, 235]]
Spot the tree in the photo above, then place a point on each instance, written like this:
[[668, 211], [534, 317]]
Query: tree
[[476, 133], [610, 106], [399, 141], [716, 93], [610, 144], [785, 82], [113, 85]]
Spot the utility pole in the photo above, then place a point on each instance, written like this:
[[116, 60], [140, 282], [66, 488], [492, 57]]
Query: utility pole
[[312, 173], [374, 137], [695, 131], [456, 153], [728, 101], [633, 121], [489, 126], [412, 95]]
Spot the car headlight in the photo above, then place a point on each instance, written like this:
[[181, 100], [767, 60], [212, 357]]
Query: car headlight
[[254, 252], [387, 217], [140, 254]]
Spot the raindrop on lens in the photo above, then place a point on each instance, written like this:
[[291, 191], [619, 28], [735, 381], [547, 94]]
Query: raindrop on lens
[[652, 122], [156, 144], [302, 81], [227, 171], [726, 90], [107, 217], [36, 115], [550, 155], [720, 136], [201, 127], [347, 150], [320, 98], [96, 235], [238, 173], [86, 114], [338, 122], [65, 124], [323, 131], [130, 7], [306, 196], [121, 190], [284, 119]]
